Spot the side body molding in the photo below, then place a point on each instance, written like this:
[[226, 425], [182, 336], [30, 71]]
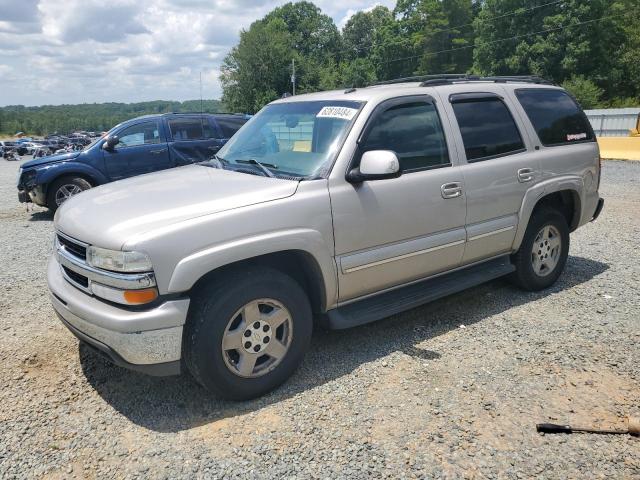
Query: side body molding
[[190, 269], [572, 183]]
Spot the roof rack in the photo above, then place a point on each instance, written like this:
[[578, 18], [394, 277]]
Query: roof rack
[[422, 78], [449, 78]]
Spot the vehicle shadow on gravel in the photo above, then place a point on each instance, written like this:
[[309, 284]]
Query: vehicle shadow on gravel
[[41, 216], [173, 404]]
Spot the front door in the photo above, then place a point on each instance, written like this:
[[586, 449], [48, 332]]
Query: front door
[[390, 232], [141, 149], [498, 166]]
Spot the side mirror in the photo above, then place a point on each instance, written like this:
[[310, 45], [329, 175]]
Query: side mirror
[[375, 165], [111, 142]]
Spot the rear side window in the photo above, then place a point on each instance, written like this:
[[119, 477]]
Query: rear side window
[[487, 128], [414, 132], [187, 128], [229, 126], [556, 118]]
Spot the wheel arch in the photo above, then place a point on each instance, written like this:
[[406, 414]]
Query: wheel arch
[[564, 195], [298, 264], [93, 177]]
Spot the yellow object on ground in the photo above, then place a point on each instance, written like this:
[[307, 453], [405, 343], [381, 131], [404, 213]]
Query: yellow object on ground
[[624, 148]]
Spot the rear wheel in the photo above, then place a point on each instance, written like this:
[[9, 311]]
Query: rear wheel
[[63, 189], [543, 253], [247, 332]]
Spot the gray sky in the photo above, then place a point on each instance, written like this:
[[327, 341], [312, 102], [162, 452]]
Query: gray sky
[[85, 51]]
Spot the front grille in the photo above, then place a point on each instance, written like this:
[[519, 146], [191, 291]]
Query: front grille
[[76, 277], [73, 248]]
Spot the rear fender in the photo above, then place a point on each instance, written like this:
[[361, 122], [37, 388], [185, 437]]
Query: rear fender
[[571, 183]]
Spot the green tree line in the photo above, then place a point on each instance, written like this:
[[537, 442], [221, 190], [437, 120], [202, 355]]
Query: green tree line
[[91, 117], [592, 47]]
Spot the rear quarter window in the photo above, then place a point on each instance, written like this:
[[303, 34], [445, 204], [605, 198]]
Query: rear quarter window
[[556, 117]]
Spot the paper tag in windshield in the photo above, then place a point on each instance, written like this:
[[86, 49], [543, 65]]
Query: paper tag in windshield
[[344, 113]]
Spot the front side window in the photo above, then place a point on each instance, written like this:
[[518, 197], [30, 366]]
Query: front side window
[[556, 118], [487, 128], [413, 132], [140, 134], [297, 139]]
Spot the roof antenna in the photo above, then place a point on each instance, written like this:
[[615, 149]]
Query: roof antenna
[[201, 108]]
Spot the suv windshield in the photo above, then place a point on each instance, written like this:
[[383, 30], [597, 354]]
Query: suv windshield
[[297, 139]]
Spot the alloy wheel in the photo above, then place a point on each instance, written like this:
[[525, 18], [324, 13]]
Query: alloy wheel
[[257, 338], [546, 249]]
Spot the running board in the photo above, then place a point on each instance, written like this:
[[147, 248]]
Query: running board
[[404, 298]]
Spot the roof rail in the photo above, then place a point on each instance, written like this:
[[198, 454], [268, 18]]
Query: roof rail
[[496, 79], [448, 78], [422, 78]]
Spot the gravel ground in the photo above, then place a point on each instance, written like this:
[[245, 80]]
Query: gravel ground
[[452, 389]]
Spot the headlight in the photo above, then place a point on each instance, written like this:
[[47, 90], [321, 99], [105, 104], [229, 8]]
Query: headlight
[[118, 261]]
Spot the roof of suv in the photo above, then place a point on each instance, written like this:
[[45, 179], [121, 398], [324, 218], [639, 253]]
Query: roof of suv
[[384, 91]]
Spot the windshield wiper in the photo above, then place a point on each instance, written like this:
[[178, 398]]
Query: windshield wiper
[[263, 166], [218, 162]]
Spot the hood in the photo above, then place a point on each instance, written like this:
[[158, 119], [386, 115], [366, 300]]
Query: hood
[[112, 214], [51, 159]]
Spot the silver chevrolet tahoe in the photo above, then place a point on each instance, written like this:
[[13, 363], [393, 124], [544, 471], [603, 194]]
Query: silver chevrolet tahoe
[[336, 208]]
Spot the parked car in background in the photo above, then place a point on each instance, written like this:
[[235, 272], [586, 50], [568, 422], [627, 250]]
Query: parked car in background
[[141, 145], [340, 208], [7, 147]]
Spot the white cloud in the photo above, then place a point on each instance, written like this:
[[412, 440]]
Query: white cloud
[[78, 51]]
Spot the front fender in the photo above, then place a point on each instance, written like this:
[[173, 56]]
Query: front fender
[[190, 269], [573, 183], [48, 173]]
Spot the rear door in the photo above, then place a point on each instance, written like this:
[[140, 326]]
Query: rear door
[[192, 138], [141, 149], [228, 126], [498, 164]]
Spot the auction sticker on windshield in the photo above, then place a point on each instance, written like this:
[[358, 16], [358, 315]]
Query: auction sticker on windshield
[[344, 113]]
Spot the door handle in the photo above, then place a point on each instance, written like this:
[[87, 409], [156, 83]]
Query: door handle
[[451, 190], [155, 152], [525, 175]]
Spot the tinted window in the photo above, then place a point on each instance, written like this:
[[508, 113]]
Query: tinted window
[[140, 134], [555, 116], [414, 132], [229, 126], [187, 128], [207, 129], [487, 127]]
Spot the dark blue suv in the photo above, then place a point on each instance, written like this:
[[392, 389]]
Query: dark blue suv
[[141, 145]]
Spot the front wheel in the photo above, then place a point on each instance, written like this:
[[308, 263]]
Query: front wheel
[[247, 332], [543, 253], [63, 189]]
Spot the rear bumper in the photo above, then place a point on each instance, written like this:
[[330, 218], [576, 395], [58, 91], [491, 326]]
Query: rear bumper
[[148, 341], [598, 210]]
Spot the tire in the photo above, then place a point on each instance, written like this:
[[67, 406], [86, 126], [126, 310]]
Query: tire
[[220, 310], [531, 273], [72, 185]]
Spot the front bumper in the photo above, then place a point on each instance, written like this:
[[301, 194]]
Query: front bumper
[[149, 341], [34, 194]]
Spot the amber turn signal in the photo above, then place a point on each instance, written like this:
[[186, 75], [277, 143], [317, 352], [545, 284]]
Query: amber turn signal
[[138, 297]]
